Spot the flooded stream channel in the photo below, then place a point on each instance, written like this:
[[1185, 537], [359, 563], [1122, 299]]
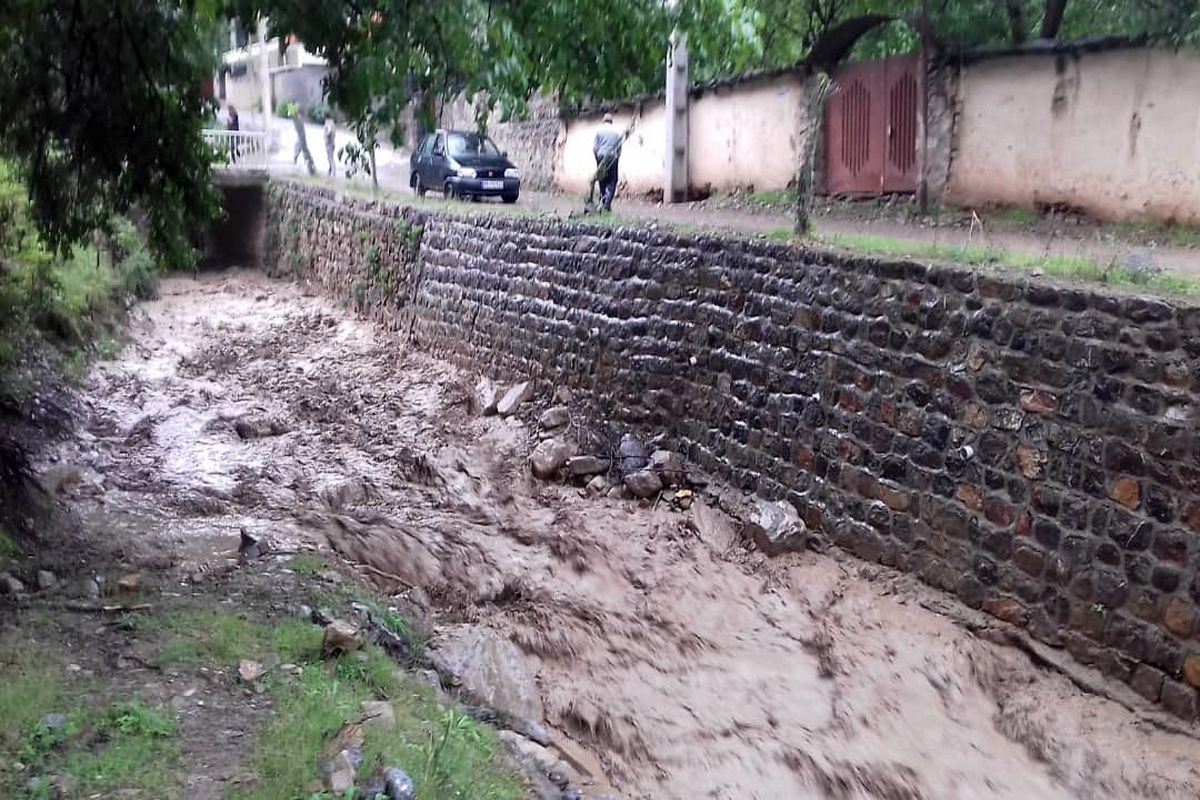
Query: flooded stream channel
[[676, 661]]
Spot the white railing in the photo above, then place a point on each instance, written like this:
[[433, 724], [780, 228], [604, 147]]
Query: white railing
[[237, 148]]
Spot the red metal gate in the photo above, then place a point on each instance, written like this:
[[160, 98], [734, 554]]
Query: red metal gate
[[871, 127]]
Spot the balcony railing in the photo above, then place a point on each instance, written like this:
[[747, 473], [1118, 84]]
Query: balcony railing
[[237, 148]]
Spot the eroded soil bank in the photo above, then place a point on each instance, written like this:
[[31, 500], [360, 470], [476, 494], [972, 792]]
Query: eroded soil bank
[[669, 657]]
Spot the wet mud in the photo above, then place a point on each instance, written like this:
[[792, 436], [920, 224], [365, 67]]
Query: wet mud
[[672, 661]]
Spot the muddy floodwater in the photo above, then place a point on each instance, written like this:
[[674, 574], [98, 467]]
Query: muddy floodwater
[[671, 660]]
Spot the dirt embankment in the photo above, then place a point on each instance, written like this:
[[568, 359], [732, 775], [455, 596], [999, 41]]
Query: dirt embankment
[[670, 658]]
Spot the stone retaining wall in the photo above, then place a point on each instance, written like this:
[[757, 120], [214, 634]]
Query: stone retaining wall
[[1027, 447]]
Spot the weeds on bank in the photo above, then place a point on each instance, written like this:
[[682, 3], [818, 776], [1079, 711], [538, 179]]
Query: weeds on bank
[[1061, 266], [447, 754], [99, 747], [65, 301], [306, 565]]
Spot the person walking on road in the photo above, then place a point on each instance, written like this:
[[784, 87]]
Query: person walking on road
[[302, 143], [330, 130], [607, 149]]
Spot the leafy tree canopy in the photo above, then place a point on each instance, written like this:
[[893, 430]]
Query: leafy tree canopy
[[103, 108], [731, 36]]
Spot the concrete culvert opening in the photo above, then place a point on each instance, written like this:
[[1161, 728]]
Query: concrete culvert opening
[[238, 239]]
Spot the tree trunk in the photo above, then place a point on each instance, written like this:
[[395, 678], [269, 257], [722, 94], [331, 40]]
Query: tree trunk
[[1052, 19], [1016, 21]]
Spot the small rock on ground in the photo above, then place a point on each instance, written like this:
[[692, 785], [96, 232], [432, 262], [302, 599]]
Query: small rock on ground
[[549, 457], [338, 773], [632, 453], [644, 483], [10, 585], [253, 426], [669, 465], [485, 397], [341, 637], [776, 527], [555, 417], [513, 398], [129, 584], [398, 785], [250, 671], [587, 465], [46, 580]]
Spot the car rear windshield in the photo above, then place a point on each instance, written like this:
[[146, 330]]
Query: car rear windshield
[[470, 144]]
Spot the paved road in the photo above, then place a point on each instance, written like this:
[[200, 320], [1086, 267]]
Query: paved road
[[1093, 243]]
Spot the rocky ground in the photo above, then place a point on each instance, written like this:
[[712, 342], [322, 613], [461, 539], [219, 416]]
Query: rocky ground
[[620, 645]]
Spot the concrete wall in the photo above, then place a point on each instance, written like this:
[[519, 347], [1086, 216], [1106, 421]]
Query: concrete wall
[[747, 136], [1115, 134], [744, 135], [1031, 448]]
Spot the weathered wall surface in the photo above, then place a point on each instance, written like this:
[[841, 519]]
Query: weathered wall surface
[[364, 254], [1115, 134], [1029, 448], [747, 136], [532, 142]]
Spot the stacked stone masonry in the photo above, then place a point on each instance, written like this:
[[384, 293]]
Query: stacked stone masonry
[[1030, 448]]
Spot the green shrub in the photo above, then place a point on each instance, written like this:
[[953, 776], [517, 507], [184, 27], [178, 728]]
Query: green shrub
[[318, 111]]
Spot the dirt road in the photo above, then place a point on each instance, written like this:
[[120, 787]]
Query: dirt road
[[685, 664]]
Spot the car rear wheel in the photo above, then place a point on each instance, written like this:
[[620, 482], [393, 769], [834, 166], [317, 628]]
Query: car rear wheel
[[417, 185], [510, 198]]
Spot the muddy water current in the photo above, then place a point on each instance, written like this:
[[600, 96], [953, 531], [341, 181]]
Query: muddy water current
[[671, 659]]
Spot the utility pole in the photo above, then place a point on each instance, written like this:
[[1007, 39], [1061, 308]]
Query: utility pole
[[264, 70], [675, 178]]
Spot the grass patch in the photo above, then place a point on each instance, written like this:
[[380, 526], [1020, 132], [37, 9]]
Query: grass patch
[[122, 747], [297, 641], [307, 565], [1172, 234], [447, 754], [8, 548], [196, 637], [775, 198], [1060, 266], [779, 235], [1014, 216]]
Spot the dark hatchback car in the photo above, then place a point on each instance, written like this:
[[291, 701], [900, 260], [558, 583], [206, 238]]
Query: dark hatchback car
[[461, 164]]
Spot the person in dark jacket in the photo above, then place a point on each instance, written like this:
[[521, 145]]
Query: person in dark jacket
[[234, 125]]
